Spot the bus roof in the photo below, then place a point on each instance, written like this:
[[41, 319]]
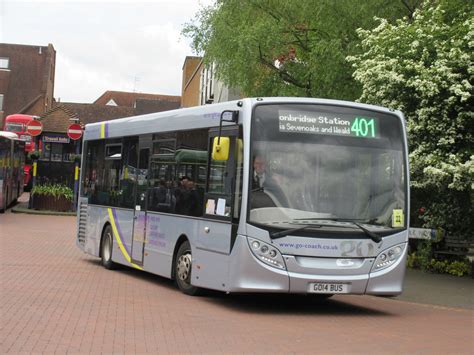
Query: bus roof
[[201, 116], [19, 118]]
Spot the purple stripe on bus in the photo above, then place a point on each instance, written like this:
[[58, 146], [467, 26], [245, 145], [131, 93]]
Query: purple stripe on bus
[[106, 130], [114, 213]]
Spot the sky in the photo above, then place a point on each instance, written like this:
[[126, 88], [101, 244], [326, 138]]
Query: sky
[[105, 45]]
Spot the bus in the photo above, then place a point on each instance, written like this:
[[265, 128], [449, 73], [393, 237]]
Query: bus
[[18, 123], [12, 160], [174, 194]]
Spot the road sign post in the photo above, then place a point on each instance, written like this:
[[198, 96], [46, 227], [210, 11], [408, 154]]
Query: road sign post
[[75, 133]]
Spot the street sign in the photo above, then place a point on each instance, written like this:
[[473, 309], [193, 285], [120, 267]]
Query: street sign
[[74, 131], [34, 128]]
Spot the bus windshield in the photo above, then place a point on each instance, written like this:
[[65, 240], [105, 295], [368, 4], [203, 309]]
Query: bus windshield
[[313, 163], [14, 127]]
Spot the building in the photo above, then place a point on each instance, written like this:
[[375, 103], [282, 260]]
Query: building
[[57, 150], [143, 103], [26, 79], [200, 85]]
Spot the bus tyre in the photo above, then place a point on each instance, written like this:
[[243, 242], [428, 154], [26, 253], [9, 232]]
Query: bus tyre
[[106, 248], [182, 270]]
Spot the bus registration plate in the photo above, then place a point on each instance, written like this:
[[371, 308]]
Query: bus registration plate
[[323, 287]]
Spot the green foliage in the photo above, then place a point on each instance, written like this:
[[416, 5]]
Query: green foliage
[[423, 259], [455, 268], [56, 190], [458, 268], [423, 67], [76, 158], [34, 155], [412, 261], [424, 255], [287, 48]]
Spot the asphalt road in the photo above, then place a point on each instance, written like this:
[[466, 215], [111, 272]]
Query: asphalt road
[[55, 299]]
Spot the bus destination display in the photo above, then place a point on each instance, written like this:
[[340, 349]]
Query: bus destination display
[[327, 124]]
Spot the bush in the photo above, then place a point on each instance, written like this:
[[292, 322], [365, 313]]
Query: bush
[[425, 253], [458, 268], [55, 190], [423, 67], [422, 260]]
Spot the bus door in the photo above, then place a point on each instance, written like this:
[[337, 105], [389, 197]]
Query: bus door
[[215, 232], [140, 218]]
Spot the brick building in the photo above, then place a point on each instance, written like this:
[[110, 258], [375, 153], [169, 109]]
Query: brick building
[[142, 102], [200, 85], [56, 162], [26, 79]]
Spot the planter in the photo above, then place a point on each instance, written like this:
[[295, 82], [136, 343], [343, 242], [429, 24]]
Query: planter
[[51, 203]]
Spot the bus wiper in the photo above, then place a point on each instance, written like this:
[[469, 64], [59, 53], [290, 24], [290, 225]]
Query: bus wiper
[[376, 238], [276, 235]]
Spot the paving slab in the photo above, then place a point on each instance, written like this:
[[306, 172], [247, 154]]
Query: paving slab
[[55, 299]]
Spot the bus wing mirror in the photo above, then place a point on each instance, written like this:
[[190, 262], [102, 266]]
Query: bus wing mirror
[[220, 148]]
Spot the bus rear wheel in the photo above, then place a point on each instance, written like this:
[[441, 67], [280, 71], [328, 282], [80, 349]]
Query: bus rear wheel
[[106, 248], [183, 269]]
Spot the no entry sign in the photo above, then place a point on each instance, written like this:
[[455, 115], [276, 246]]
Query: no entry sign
[[74, 131], [34, 128]]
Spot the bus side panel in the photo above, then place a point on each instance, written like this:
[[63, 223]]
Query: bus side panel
[[121, 222], [210, 270], [96, 217], [210, 266], [162, 233]]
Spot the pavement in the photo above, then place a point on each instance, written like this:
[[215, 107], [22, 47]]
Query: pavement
[[22, 207], [56, 299], [419, 287]]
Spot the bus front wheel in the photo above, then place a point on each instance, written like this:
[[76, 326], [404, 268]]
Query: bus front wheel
[[183, 268], [106, 248]]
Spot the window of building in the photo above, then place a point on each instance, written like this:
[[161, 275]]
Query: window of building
[[207, 85], [1, 102], [4, 63], [57, 152]]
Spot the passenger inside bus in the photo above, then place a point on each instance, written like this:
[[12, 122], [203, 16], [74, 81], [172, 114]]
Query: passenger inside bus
[[187, 198], [162, 198]]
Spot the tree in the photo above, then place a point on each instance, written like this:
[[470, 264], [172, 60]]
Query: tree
[[424, 68], [294, 48]]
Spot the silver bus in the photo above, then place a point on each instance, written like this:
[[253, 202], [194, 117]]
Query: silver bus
[[288, 195]]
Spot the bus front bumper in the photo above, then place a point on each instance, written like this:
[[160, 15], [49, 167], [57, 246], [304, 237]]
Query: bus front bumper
[[248, 274]]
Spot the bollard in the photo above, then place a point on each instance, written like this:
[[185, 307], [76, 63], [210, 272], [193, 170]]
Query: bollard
[[33, 183], [76, 186]]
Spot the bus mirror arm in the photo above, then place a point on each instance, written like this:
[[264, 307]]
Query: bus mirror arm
[[234, 118]]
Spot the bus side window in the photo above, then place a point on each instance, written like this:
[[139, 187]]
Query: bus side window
[[128, 172]]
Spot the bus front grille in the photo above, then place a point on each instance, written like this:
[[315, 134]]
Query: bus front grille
[[81, 235]]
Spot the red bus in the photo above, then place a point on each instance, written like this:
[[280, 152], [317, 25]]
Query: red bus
[[12, 161], [17, 123]]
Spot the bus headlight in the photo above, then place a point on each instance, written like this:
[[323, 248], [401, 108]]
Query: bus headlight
[[388, 257], [266, 253]]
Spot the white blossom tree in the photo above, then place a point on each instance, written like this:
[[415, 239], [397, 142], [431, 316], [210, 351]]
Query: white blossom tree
[[423, 66]]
